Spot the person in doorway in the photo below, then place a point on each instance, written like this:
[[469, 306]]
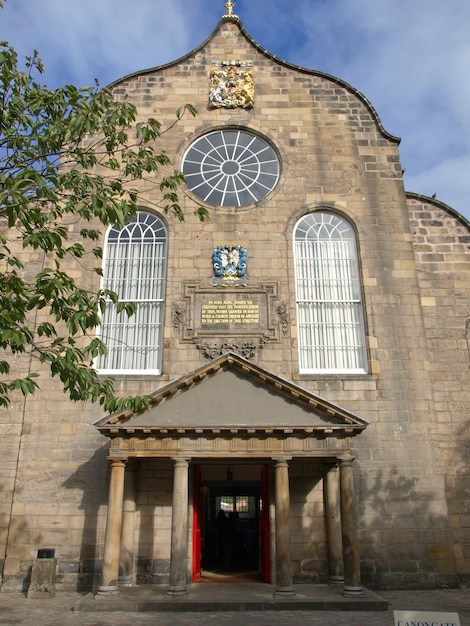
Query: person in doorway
[[222, 531], [237, 540]]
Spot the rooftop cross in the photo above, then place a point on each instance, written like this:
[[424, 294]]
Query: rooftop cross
[[229, 6]]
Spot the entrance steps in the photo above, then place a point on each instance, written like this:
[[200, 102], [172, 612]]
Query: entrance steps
[[218, 597]]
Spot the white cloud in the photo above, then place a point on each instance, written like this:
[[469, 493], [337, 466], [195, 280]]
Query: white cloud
[[410, 58], [98, 38]]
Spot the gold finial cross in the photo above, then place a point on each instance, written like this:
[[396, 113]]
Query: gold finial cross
[[229, 6]]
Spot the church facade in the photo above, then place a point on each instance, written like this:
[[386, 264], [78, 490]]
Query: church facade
[[306, 348]]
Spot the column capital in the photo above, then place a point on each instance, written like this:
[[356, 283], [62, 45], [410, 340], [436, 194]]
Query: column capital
[[181, 460], [281, 460], [329, 464], [117, 460], [346, 460]]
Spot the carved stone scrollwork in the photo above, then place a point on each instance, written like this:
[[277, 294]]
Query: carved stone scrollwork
[[179, 314], [247, 349], [283, 315]]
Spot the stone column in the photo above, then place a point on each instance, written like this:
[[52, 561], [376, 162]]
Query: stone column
[[112, 541], [127, 561], [179, 530], [352, 572], [284, 586], [332, 502]]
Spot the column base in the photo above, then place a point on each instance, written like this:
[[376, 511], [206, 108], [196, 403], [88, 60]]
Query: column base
[[336, 580], [177, 592], [108, 591], [353, 592], [126, 581], [284, 592]]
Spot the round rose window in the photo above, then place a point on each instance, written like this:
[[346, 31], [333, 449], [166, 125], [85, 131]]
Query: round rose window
[[231, 168]]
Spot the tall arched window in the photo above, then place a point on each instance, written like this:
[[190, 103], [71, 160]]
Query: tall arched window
[[134, 268], [329, 309]]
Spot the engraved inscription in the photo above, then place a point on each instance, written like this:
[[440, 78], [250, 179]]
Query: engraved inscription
[[230, 312]]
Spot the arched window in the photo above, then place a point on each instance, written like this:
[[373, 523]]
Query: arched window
[[134, 268], [329, 309]]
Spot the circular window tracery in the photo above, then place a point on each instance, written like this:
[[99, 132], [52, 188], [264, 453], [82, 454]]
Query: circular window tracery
[[231, 168]]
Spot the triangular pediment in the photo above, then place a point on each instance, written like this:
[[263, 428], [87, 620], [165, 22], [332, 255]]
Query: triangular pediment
[[231, 394]]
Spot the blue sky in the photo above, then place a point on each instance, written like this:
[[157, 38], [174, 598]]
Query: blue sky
[[410, 58]]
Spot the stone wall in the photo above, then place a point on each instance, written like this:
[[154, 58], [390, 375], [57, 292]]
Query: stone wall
[[412, 460], [442, 244]]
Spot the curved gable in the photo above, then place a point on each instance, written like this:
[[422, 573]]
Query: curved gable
[[243, 33]]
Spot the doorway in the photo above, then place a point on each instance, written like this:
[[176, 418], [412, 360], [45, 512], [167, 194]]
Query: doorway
[[231, 525]]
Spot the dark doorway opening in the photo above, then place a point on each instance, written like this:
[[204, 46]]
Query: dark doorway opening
[[232, 546], [231, 527]]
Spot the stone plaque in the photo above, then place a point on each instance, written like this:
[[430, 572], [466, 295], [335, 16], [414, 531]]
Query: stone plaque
[[238, 319]]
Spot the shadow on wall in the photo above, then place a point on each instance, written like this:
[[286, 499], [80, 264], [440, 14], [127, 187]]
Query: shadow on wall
[[153, 493], [308, 551], [19, 528], [404, 534], [91, 479], [59, 523]]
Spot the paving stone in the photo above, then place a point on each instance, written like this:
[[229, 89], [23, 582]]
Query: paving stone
[[16, 609]]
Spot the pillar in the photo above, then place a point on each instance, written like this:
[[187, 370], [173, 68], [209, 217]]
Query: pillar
[[127, 560], [332, 502], [112, 541], [352, 572], [179, 530], [284, 586]]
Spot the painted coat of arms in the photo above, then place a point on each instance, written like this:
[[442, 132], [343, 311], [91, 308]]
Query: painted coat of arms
[[229, 262], [231, 85]]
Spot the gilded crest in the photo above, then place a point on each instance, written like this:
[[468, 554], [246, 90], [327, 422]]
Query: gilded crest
[[232, 85]]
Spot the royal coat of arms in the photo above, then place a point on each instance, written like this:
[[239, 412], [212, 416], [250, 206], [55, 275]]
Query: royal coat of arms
[[231, 85]]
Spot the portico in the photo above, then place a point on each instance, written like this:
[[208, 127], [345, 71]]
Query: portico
[[230, 414]]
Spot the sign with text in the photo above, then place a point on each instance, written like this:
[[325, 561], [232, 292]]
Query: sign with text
[[425, 618], [225, 310], [218, 311]]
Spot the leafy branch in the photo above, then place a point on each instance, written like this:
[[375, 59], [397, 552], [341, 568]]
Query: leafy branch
[[72, 160]]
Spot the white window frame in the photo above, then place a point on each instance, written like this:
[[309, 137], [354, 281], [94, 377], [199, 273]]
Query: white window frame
[[134, 267], [330, 318]]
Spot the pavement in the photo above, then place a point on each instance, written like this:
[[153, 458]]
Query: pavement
[[16, 610]]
